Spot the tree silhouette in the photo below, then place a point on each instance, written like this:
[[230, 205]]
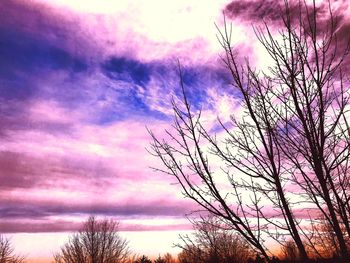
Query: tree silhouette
[[7, 252], [210, 244], [293, 131], [159, 259], [143, 259], [310, 127], [167, 258], [290, 251], [97, 242]]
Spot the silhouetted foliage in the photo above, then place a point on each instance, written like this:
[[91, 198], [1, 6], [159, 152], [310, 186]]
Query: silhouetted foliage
[[159, 260], [210, 244], [97, 242], [143, 259], [7, 254], [167, 258], [325, 239], [292, 130], [290, 251]]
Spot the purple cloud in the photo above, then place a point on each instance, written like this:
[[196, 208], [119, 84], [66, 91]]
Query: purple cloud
[[255, 13], [272, 12], [76, 93]]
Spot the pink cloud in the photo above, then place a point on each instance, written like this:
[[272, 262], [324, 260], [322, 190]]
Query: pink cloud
[[183, 30], [84, 169]]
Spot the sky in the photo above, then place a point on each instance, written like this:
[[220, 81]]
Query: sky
[[79, 83]]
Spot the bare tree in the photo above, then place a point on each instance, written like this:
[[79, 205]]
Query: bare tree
[[253, 149], [196, 177], [307, 83], [97, 242], [210, 244], [293, 130], [7, 252]]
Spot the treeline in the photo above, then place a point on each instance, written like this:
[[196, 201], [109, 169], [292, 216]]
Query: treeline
[[98, 241]]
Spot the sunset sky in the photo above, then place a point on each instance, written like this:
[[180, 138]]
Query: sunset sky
[[79, 83]]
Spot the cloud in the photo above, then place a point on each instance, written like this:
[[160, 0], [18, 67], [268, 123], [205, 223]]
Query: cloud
[[34, 55], [253, 11], [81, 170], [65, 57], [62, 215], [113, 89], [73, 124], [76, 95], [66, 226], [44, 209], [258, 12], [182, 30], [270, 11]]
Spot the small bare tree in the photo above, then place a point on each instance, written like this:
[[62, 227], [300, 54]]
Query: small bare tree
[[7, 252], [97, 242], [210, 244]]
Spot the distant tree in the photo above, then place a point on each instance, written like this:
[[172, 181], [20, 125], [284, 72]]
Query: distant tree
[[167, 258], [159, 259], [324, 238], [290, 251], [210, 244], [143, 259], [97, 242], [7, 252]]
